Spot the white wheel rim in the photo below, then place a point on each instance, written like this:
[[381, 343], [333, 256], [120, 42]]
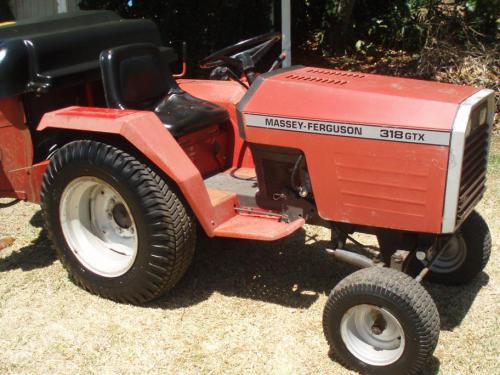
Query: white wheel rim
[[98, 227], [373, 335]]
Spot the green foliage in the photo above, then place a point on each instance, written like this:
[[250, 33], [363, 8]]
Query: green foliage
[[484, 15], [402, 24]]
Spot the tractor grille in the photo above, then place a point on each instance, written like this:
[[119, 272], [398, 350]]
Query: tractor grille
[[475, 160]]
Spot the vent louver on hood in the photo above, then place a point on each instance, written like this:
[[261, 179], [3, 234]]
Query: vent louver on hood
[[335, 73], [309, 78]]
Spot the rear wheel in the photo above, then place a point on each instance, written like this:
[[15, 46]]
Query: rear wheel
[[381, 321], [118, 228], [98, 226]]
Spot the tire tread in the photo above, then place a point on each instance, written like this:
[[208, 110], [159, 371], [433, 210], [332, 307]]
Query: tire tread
[[170, 256], [398, 287]]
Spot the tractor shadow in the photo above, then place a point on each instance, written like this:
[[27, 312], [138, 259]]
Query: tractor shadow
[[432, 367], [38, 254], [293, 272], [454, 302]]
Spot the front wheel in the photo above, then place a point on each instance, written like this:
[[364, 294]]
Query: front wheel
[[465, 255], [118, 227], [381, 321]]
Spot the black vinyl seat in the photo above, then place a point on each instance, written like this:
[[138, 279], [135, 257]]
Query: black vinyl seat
[[137, 76]]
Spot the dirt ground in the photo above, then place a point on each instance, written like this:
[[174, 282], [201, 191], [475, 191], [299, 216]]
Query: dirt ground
[[243, 308]]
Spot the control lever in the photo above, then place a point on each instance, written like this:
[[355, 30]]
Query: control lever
[[278, 61], [184, 62]]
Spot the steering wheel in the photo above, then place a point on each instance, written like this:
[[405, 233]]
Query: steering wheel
[[243, 55]]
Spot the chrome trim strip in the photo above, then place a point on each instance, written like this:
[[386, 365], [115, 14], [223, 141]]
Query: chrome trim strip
[[342, 129], [459, 131]]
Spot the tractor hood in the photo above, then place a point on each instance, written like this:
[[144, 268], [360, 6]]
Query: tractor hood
[[335, 96]]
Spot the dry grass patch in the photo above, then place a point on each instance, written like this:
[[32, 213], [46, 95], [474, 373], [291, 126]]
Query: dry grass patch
[[244, 307]]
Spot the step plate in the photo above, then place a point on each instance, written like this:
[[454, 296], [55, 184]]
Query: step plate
[[257, 228], [241, 181]]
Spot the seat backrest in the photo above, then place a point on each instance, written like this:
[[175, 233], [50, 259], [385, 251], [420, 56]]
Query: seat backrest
[[135, 76]]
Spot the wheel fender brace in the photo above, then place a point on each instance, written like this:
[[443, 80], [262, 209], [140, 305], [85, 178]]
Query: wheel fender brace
[[147, 134]]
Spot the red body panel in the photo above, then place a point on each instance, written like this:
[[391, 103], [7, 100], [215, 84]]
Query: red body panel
[[16, 151], [257, 228], [364, 181], [215, 212], [207, 149], [375, 183], [227, 94], [146, 132]]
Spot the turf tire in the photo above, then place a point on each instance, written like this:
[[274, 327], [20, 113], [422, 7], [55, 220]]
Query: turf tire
[[165, 226], [397, 293], [477, 238]]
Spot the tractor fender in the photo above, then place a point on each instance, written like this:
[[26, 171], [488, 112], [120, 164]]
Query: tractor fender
[[144, 131]]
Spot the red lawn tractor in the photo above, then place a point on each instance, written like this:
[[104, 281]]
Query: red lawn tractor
[[127, 162]]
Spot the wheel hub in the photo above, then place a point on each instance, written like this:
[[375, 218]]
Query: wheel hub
[[121, 216], [372, 334], [379, 325], [98, 226], [452, 256]]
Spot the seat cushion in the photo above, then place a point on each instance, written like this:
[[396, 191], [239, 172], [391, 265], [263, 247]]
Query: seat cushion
[[183, 113]]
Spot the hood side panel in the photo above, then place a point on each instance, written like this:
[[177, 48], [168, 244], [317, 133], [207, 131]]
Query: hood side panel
[[339, 121]]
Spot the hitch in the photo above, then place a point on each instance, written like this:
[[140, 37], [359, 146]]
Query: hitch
[[184, 62]]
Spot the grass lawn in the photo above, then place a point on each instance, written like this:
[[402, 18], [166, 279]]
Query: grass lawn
[[244, 307]]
